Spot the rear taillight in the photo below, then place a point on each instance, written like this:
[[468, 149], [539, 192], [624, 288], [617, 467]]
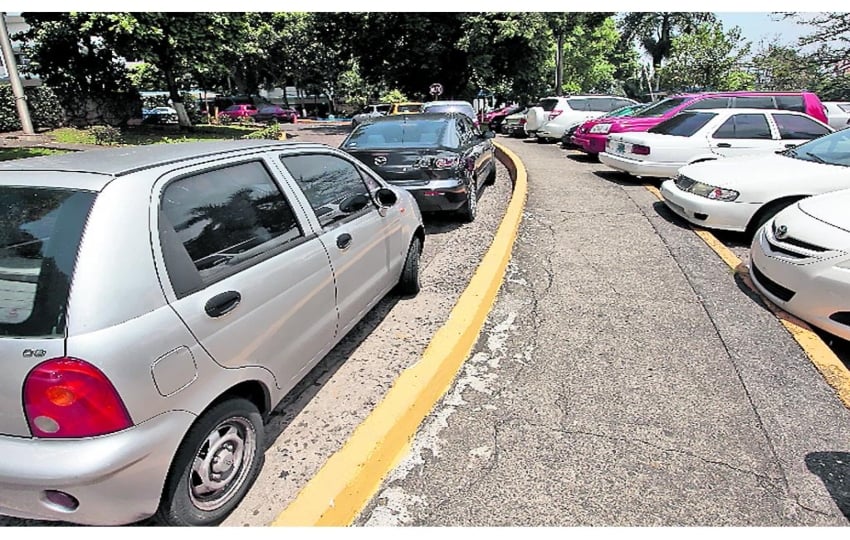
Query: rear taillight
[[68, 397], [640, 150], [554, 113], [522, 121]]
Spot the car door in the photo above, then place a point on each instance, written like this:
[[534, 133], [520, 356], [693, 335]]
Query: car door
[[481, 149], [796, 129], [357, 236], [742, 134], [247, 274]]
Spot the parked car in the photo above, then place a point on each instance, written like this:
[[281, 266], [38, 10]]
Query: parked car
[[590, 137], [496, 120], [370, 111], [838, 113], [501, 111], [441, 158], [742, 193], [407, 107], [238, 266], [240, 111], [159, 115], [514, 124], [276, 113], [705, 135], [800, 260], [463, 107], [568, 113], [628, 110]]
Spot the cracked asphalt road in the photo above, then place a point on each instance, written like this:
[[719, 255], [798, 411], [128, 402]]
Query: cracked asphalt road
[[623, 378]]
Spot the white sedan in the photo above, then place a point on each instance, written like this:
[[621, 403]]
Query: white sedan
[[742, 193], [838, 113], [703, 135], [800, 260]]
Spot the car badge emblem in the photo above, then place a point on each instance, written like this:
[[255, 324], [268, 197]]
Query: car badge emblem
[[380, 160], [781, 232]]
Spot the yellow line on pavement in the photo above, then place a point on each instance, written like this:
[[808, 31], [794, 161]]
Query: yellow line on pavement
[[351, 477], [831, 368]]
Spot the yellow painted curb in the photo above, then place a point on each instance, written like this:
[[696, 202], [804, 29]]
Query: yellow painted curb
[[831, 368], [351, 477]]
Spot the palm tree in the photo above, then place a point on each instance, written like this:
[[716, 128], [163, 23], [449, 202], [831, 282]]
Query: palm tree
[[655, 31]]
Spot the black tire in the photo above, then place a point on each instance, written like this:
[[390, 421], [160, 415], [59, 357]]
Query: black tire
[[239, 427], [765, 214], [409, 284], [470, 208], [491, 176]]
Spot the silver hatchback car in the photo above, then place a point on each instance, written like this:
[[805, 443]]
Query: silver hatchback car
[[156, 302]]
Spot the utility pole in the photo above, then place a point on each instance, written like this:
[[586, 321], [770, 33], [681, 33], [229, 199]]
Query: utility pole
[[14, 78]]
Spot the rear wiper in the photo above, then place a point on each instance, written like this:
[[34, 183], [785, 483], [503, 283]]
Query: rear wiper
[[816, 158]]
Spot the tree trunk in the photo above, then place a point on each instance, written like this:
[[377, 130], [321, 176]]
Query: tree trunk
[[559, 65], [177, 100]]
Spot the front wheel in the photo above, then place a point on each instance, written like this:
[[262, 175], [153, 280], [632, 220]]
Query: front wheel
[[215, 465]]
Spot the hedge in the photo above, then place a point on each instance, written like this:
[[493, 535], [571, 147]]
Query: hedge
[[45, 110]]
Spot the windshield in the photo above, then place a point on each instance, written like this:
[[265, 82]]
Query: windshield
[[660, 108], [832, 149], [626, 111], [40, 233], [683, 125], [408, 134]]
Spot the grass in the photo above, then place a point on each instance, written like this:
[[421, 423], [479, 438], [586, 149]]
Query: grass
[[20, 153], [155, 135]]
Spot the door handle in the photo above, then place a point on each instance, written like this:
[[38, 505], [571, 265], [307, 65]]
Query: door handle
[[343, 241], [724, 145], [790, 145], [222, 303]]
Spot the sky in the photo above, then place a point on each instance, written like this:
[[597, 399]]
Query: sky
[[763, 26]]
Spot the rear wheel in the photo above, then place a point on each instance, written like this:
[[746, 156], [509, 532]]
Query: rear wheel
[[215, 465], [409, 282], [470, 209], [491, 176]]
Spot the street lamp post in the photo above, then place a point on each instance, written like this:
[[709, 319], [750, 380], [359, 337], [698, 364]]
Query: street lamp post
[[14, 78]]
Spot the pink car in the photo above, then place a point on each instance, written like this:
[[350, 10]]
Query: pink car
[[590, 137], [239, 111]]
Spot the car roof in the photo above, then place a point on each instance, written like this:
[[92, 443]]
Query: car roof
[[746, 110], [402, 118], [127, 159], [447, 102]]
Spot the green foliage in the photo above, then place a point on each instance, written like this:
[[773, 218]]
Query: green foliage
[[105, 135], [44, 107], [707, 58], [393, 96], [780, 68], [272, 131], [21, 153], [587, 58], [146, 77], [833, 87]]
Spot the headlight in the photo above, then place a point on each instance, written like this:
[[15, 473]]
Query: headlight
[[712, 192], [601, 128]]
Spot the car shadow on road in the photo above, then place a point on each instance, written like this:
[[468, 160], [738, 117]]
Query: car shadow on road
[[615, 177], [833, 468], [581, 157]]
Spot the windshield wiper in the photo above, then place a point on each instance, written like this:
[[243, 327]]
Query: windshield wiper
[[816, 158]]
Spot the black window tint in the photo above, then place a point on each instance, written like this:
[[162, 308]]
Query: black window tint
[[40, 232], [709, 103], [744, 126], [384, 108], [463, 132], [601, 104], [393, 133], [755, 102], [660, 108], [579, 104], [332, 185], [548, 104], [790, 103], [683, 124], [225, 217], [792, 126], [622, 103]]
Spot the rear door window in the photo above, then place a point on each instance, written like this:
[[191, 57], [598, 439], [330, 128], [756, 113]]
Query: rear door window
[[790, 103], [709, 103], [744, 126], [755, 102], [548, 105], [227, 219], [683, 124], [40, 234], [792, 126]]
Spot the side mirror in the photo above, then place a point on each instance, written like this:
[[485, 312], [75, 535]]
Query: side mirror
[[386, 197]]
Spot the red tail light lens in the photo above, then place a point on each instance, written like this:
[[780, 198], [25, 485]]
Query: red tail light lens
[[522, 121], [640, 150], [554, 113], [70, 398]]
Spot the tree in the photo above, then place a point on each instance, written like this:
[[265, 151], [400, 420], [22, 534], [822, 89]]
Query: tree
[[707, 59], [566, 25], [589, 58], [655, 31], [831, 34], [777, 67]]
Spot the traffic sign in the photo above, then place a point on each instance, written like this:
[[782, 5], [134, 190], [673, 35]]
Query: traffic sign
[[436, 89]]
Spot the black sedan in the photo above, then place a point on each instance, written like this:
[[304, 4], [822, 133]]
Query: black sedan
[[441, 158]]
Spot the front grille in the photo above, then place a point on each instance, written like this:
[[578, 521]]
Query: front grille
[[779, 249], [772, 287], [804, 245], [683, 182]]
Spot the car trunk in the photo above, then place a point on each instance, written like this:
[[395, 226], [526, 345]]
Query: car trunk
[[402, 167]]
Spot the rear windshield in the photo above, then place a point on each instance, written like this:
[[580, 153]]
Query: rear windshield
[[465, 109], [660, 108], [844, 107], [548, 104], [413, 107], [408, 134], [40, 232], [683, 124]]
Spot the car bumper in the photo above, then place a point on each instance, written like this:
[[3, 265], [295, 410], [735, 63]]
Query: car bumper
[[438, 195], [514, 130], [819, 288], [117, 478], [640, 168], [728, 216], [550, 133], [590, 143]]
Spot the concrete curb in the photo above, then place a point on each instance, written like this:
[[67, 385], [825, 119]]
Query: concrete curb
[[350, 478], [831, 368]]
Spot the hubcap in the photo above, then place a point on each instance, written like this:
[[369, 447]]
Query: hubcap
[[473, 197], [222, 463]]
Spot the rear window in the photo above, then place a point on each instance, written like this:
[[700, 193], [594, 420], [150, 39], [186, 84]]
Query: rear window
[[467, 110], [790, 103], [411, 133], [660, 108], [414, 108], [548, 105], [683, 124], [844, 107], [40, 232]]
